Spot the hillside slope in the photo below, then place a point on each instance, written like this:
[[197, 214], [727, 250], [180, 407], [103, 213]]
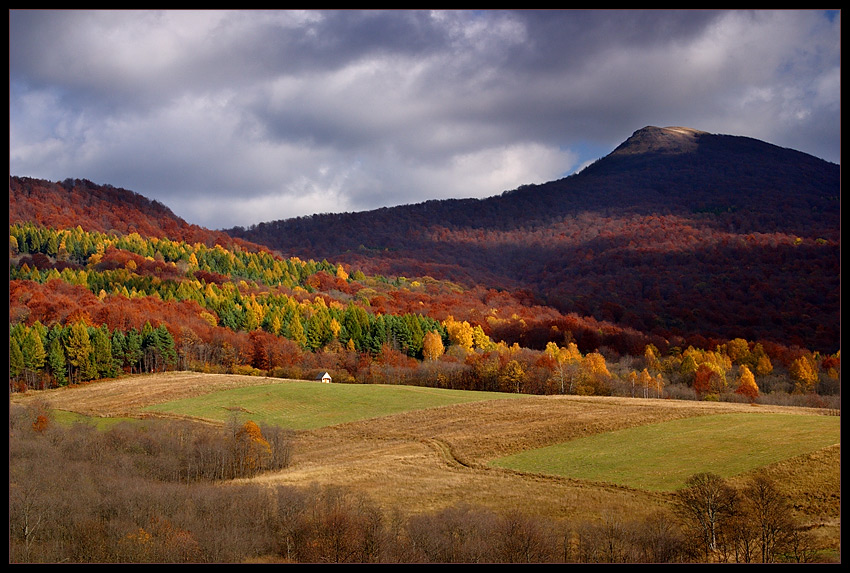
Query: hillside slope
[[677, 231], [101, 208]]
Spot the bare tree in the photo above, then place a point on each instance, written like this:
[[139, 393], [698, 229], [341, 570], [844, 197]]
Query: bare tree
[[770, 514], [658, 539], [29, 514], [520, 538], [705, 503]]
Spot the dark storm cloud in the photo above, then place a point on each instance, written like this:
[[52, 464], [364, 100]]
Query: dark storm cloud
[[234, 117]]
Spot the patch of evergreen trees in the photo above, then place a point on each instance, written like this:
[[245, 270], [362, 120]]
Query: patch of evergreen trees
[[78, 352]]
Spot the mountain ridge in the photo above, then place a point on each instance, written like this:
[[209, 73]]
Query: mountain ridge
[[646, 144], [677, 206]]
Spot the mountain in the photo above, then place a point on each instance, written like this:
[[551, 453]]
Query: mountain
[[676, 232]]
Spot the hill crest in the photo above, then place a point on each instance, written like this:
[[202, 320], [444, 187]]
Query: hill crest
[[102, 208], [653, 139]]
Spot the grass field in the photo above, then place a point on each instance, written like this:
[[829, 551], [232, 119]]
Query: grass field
[[421, 450], [70, 418], [310, 405], [662, 456]]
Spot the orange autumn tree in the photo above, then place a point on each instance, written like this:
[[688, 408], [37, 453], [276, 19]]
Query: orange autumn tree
[[162, 541], [40, 424], [709, 371], [255, 449], [708, 380], [747, 384], [432, 345]]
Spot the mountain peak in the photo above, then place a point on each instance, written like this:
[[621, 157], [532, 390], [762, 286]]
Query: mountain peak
[[653, 139]]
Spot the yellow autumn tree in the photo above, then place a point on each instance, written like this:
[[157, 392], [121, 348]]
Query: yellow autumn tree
[[296, 330], [432, 345], [78, 348], [738, 350], [254, 314], [593, 375], [764, 366], [567, 360], [275, 324], [632, 379], [335, 328], [658, 385], [650, 355], [688, 365], [804, 372], [460, 333], [481, 340], [512, 377], [747, 384], [645, 382]]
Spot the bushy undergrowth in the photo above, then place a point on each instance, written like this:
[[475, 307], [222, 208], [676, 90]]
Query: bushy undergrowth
[[151, 492]]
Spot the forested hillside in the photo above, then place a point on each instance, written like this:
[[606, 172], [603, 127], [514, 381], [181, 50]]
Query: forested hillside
[[546, 289], [675, 233], [103, 208]]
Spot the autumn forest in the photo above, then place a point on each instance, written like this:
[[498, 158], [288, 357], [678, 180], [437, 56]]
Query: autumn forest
[[678, 275]]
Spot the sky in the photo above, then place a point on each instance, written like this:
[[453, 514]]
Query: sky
[[232, 118]]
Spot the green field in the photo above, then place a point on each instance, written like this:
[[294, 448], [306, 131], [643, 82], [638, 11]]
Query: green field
[[310, 405], [70, 418], [662, 456]]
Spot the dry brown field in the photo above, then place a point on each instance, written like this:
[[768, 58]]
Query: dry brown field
[[427, 460]]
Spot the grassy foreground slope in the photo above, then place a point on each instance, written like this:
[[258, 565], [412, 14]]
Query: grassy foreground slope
[[419, 450], [663, 456]]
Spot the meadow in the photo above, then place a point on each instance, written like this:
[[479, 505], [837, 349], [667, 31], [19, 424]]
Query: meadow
[[661, 457], [416, 451], [300, 405], [654, 457]]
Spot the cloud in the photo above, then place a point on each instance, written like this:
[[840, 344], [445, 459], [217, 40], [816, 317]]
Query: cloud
[[236, 117]]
